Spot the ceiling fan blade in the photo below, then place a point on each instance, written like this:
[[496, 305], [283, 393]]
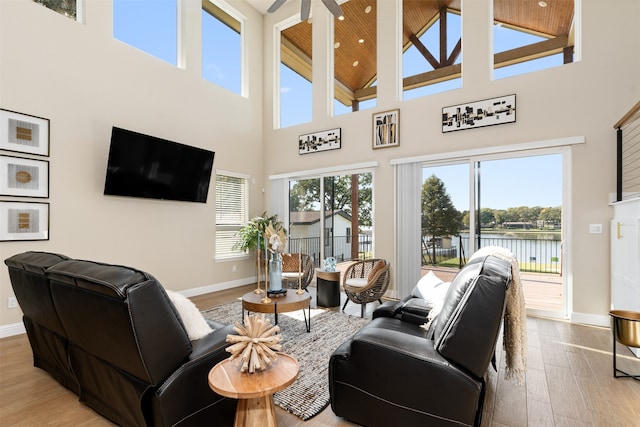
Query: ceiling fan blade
[[305, 9], [333, 7], [275, 6]]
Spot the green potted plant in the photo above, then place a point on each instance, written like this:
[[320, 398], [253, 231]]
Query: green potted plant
[[253, 235]]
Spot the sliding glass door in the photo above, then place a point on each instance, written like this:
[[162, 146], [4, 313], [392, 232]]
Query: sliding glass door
[[514, 202], [331, 216]]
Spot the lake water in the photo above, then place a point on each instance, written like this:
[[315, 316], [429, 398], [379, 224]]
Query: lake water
[[540, 252]]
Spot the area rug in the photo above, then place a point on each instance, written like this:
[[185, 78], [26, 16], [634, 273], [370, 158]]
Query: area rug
[[309, 394]]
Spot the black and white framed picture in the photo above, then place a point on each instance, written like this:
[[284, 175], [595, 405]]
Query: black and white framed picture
[[24, 133], [24, 221], [488, 112], [386, 129], [320, 141], [24, 177]]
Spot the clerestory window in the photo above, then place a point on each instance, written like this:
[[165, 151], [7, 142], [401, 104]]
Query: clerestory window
[[295, 86], [153, 30], [432, 47], [355, 57], [222, 39], [532, 36]]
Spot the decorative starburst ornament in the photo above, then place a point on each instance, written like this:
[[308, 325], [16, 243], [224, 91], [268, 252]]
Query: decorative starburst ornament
[[256, 345]]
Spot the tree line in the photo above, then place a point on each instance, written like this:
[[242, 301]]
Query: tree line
[[440, 217]]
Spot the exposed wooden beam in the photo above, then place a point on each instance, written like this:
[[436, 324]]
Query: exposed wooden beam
[[424, 51], [529, 52], [568, 54], [455, 53], [366, 93], [295, 59], [220, 14], [448, 72], [443, 35], [342, 93]]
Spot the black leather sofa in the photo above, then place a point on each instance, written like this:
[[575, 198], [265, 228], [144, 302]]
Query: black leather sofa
[[111, 335], [396, 372]]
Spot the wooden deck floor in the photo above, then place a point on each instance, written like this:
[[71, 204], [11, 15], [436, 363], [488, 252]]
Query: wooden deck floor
[[541, 291]]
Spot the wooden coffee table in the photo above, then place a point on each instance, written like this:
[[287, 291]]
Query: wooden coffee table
[[292, 301], [253, 391]]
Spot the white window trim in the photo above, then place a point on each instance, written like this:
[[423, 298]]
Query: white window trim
[[239, 255], [244, 52], [486, 151]]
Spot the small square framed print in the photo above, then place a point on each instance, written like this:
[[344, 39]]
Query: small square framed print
[[386, 129], [24, 177], [24, 133], [24, 221]]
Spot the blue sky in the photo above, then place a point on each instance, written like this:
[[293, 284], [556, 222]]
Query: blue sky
[[535, 181], [527, 181]]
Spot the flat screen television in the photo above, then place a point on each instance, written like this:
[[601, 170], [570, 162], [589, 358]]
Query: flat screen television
[[146, 166]]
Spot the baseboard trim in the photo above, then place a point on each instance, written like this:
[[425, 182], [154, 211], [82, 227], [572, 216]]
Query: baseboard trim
[[217, 287], [12, 329], [591, 319]]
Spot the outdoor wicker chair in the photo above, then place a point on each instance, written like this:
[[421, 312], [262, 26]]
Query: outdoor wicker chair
[[293, 275], [366, 281]]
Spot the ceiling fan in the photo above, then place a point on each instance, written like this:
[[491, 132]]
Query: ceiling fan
[[305, 8]]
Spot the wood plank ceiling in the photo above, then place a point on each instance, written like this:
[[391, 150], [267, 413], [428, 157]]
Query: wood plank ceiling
[[356, 39]]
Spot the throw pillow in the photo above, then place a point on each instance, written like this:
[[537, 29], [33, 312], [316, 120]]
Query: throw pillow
[[430, 288], [376, 267], [194, 322]]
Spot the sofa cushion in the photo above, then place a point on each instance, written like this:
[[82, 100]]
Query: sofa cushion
[[357, 282], [377, 267], [193, 320], [430, 288], [473, 310]]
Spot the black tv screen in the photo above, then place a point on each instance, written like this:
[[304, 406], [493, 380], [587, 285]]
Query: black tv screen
[[145, 166]]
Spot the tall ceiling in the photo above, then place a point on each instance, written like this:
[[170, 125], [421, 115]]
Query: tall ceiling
[[355, 39]]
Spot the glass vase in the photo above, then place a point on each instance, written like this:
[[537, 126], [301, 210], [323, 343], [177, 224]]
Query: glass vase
[[275, 272]]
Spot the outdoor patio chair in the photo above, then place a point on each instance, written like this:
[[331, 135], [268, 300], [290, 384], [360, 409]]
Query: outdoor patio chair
[[366, 281], [293, 275]]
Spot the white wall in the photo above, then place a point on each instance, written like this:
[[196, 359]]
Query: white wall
[[585, 98], [84, 81]]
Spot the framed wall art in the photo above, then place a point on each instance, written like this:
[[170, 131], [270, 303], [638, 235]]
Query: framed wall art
[[320, 141], [386, 129], [24, 177], [478, 114], [24, 133], [24, 221]]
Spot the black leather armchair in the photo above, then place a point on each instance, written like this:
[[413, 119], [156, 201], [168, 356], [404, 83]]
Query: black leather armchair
[[394, 372], [111, 334]]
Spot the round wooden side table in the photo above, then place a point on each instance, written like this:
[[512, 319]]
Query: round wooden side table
[[292, 301], [254, 391]]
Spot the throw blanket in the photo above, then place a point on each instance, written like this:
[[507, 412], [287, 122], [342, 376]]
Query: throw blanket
[[515, 322]]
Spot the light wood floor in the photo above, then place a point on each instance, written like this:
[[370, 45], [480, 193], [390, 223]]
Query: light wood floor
[[569, 382]]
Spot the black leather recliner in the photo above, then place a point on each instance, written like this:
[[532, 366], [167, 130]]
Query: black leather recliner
[[394, 372], [111, 334]]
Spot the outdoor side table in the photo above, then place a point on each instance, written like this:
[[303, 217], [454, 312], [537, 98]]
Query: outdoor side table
[[328, 288]]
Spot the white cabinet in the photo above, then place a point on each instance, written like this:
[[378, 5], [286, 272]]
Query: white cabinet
[[625, 257]]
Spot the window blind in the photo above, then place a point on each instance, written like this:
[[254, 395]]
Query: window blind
[[232, 202]]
